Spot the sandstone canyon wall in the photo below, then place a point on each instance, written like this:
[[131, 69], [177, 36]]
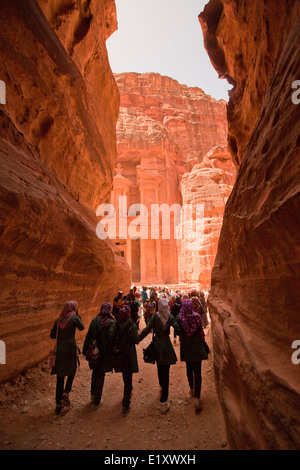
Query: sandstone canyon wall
[[254, 301], [58, 149], [209, 183], [164, 129]]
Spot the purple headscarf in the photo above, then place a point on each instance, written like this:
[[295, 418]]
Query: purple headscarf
[[104, 316], [190, 320]]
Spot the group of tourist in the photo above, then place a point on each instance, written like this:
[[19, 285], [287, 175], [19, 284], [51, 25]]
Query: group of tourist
[[114, 333]]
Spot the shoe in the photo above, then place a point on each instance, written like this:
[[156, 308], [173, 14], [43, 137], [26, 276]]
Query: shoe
[[164, 407], [197, 405], [192, 392], [126, 410], [97, 405], [65, 401], [58, 409]]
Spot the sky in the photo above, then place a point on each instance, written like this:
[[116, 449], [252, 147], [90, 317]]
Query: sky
[[165, 37]]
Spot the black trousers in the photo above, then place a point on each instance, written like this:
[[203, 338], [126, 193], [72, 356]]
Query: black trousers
[[127, 379], [61, 388], [98, 377], [193, 372], [163, 372]]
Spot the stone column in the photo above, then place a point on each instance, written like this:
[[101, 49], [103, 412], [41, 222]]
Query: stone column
[[142, 247], [112, 199]]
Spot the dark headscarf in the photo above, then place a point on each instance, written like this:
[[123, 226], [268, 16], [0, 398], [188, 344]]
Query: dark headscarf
[[104, 316], [190, 320], [123, 314]]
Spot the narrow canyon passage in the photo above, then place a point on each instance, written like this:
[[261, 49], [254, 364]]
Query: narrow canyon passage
[[27, 408], [74, 136]]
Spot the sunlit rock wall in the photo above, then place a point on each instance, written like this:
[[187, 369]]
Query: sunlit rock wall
[[58, 149], [208, 185], [254, 301]]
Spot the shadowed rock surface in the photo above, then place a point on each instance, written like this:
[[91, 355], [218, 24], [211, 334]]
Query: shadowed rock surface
[[254, 301], [58, 148]]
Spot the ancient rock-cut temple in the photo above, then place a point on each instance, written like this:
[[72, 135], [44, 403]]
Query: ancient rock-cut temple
[[164, 130]]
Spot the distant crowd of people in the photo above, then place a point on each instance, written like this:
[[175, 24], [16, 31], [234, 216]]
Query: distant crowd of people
[[110, 343]]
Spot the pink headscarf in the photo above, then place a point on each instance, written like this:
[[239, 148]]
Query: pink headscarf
[[69, 310]]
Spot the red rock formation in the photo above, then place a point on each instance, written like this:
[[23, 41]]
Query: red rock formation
[[246, 60], [157, 111], [254, 302], [58, 148], [209, 183], [164, 128]]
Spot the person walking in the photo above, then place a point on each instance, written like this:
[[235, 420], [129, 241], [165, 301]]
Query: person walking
[[131, 300], [152, 306], [192, 350], [126, 339], [118, 302], [165, 355], [175, 309], [146, 309], [102, 329], [144, 294], [63, 331]]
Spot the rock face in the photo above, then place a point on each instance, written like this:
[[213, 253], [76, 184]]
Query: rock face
[[254, 301], [157, 111], [209, 184], [246, 60], [163, 130], [58, 149]]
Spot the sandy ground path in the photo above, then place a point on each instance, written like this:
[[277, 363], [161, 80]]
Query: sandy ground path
[[28, 421]]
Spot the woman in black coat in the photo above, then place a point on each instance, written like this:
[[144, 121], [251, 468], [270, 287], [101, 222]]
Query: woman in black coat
[[176, 307], [165, 355], [63, 331], [127, 364], [102, 329], [192, 348]]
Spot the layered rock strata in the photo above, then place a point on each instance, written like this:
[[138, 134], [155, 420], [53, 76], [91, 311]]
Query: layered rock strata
[[58, 148], [209, 184], [254, 301], [164, 129], [244, 41], [157, 111]]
